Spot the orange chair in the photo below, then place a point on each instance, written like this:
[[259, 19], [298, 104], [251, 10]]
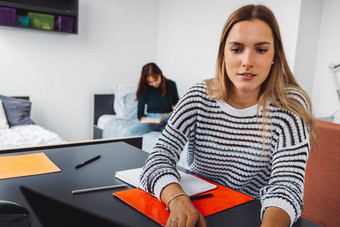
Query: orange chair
[[322, 180]]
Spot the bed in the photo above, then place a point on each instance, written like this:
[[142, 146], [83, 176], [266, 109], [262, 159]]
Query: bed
[[111, 123], [114, 114], [17, 129]]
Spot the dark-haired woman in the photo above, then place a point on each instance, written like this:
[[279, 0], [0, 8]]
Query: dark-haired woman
[[156, 96]]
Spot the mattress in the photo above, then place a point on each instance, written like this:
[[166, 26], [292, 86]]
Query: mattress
[[103, 119], [27, 135]]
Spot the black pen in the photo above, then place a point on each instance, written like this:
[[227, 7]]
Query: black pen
[[87, 162], [201, 196]]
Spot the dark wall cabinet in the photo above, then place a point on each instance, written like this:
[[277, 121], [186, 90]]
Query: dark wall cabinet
[[48, 15]]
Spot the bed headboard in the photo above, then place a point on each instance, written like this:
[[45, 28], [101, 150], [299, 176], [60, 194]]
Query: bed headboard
[[103, 104], [22, 97]]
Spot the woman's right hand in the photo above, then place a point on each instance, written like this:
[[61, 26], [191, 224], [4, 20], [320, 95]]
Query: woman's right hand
[[182, 212]]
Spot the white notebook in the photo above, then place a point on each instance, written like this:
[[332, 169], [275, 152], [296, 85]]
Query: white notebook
[[190, 184]]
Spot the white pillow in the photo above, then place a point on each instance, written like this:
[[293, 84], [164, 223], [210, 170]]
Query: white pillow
[[120, 91], [3, 119]]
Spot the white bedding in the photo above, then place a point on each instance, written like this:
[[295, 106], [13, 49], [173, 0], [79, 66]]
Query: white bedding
[[103, 119], [27, 135]]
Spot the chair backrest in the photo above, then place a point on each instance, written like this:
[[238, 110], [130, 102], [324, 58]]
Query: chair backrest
[[322, 180]]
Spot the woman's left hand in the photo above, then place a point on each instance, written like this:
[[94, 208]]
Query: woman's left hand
[[184, 214], [274, 216]]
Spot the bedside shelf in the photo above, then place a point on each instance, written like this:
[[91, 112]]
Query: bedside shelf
[[68, 8]]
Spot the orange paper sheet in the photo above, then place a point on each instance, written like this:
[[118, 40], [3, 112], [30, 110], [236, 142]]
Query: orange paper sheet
[[223, 198], [26, 165]]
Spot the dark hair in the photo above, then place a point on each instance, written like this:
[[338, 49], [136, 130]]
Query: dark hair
[[150, 69]]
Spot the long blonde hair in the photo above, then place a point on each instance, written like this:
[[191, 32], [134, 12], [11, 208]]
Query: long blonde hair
[[280, 76]]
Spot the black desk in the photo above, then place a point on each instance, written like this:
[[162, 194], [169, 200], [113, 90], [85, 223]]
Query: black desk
[[114, 157]]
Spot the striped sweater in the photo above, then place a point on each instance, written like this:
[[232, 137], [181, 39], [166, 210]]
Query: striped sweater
[[226, 146]]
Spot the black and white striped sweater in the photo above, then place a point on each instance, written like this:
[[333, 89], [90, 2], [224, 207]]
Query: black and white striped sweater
[[226, 146]]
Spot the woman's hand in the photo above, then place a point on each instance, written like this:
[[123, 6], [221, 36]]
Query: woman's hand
[[275, 217], [184, 214], [182, 211]]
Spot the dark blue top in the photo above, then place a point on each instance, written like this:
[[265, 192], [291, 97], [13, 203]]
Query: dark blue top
[[155, 102]]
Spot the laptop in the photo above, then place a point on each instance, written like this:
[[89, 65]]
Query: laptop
[[55, 213]]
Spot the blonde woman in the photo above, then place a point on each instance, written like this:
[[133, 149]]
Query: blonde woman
[[248, 128]]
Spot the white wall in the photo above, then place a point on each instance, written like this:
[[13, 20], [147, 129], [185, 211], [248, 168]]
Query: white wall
[[189, 35], [325, 99], [61, 72], [308, 39]]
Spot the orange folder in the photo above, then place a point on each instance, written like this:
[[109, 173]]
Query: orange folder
[[222, 199], [26, 165]]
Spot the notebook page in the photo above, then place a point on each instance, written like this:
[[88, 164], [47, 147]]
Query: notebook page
[[191, 185]]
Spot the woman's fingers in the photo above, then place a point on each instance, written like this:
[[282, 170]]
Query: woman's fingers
[[173, 222], [195, 220], [202, 222], [186, 218]]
